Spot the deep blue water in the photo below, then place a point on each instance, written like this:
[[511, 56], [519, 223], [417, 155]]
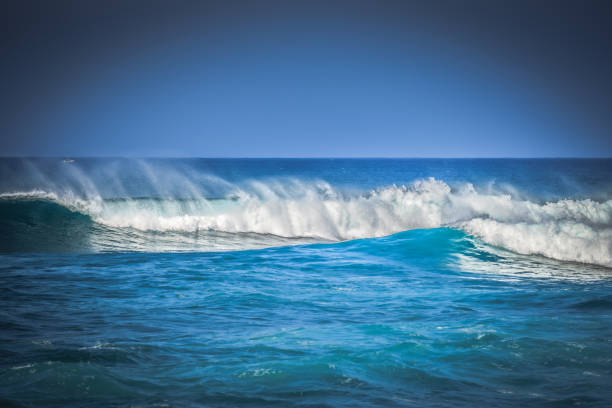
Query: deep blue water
[[340, 283]]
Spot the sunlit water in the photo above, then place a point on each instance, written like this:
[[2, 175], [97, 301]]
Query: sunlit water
[[305, 283]]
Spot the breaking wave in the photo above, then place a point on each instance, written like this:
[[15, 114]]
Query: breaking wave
[[259, 214]]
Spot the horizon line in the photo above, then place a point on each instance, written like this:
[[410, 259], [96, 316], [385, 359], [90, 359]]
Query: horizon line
[[311, 157]]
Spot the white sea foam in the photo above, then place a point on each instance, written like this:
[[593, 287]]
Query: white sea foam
[[565, 240], [571, 230]]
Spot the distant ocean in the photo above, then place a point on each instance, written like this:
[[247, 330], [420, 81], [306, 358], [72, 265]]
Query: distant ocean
[[305, 282]]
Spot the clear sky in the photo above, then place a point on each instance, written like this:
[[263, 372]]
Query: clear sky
[[306, 78]]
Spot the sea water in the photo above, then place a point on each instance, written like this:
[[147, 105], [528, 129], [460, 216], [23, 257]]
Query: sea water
[[305, 282]]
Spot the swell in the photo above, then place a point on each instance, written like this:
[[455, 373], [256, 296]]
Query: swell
[[260, 214], [32, 223]]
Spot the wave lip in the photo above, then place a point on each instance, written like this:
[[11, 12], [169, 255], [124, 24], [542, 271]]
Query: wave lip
[[569, 230]]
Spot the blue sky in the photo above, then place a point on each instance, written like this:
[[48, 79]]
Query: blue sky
[[307, 79]]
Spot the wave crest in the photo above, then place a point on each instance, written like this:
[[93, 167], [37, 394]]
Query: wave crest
[[571, 230]]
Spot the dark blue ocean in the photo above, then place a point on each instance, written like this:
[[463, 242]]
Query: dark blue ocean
[[305, 283]]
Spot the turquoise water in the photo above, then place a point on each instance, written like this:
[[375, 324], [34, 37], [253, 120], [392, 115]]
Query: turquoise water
[[305, 283]]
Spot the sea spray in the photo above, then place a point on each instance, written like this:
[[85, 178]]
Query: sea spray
[[574, 230]]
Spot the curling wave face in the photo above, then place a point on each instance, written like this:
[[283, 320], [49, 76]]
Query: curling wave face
[[257, 214]]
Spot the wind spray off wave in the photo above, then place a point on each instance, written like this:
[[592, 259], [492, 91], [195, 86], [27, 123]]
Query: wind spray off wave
[[277, 211]]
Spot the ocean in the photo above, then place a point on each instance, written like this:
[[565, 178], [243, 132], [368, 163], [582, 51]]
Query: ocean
[[305, 282]]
